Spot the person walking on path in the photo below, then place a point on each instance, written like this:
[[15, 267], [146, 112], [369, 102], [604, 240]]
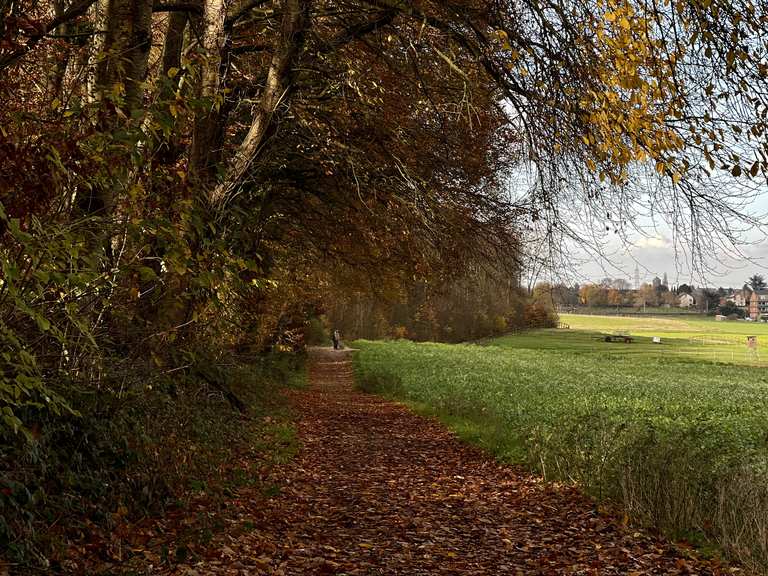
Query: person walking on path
[[336, 340]]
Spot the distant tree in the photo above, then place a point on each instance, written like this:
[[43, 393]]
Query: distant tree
[[593, 295], [614, 297], [730, 308], [621, 284], [669, 298], [707, 300], [684, 289], [563, 295], [543, 293], [647, 296], [757, 282]]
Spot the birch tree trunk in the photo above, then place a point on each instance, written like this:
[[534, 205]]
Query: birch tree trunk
[[276, 91], [205, 143], [99, 14]]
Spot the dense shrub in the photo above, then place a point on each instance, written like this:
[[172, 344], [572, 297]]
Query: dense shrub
[[137, 453], [539, 315]]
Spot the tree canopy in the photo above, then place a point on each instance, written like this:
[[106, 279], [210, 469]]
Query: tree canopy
[[177, 172]]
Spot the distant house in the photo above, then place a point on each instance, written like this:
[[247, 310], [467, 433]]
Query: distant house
[[686, 300], [741, 297], [758, 304]]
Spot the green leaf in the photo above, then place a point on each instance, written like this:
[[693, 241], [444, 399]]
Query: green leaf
[[43, 276], [146, 273], [43, 323]]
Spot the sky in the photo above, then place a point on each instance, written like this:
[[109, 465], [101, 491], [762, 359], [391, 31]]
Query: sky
[[656, 254], [653, 252]]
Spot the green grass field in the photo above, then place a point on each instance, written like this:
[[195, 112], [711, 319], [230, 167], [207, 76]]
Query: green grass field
[[697, 337], [680, 441]]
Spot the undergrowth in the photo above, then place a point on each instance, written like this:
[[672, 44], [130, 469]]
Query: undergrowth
[[125, 457]]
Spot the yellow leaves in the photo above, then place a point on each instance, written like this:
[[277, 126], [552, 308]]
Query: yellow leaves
[[627, 112], [503, 39]]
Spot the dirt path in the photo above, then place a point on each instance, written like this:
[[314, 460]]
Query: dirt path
[[377, 490]]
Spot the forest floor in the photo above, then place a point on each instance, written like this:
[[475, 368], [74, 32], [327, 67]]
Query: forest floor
[[378, 490]]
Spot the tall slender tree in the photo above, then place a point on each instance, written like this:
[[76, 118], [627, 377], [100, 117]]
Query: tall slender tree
[[757, 282]]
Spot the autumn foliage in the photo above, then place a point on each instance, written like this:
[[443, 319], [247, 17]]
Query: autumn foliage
[[180, 182]]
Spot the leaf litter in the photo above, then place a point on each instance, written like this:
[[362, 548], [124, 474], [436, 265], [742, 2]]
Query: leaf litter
[[377, 490]]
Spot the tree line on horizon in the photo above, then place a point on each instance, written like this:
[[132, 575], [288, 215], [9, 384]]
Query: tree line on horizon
[[619, 293]]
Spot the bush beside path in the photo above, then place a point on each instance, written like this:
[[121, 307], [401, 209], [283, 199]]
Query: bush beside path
[[376, 490]]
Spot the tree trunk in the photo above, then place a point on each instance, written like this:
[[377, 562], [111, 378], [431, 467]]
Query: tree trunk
[[174, 42], [276, 91], [98, 12], [127, 45], [122, 70], [58, 62], [166, 147], [208, 133]]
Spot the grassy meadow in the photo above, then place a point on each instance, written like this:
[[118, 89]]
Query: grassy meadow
[[698, 337], [677, 439]]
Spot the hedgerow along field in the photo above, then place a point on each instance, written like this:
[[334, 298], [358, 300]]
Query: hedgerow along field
[[680, 443]]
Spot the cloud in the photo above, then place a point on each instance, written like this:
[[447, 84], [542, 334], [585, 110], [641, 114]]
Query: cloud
[[654, 242]]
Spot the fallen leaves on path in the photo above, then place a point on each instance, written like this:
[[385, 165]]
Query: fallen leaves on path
[[377, 490]]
